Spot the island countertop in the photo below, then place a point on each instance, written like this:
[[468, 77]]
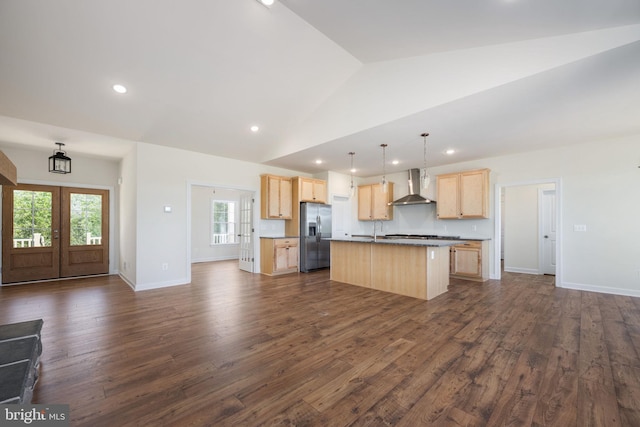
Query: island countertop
[[406, 242]]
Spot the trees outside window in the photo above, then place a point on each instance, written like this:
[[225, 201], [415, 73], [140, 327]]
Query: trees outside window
[[31, 218], [86, 219]]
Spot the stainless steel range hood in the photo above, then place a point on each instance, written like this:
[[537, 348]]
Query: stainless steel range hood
[[414, 197]]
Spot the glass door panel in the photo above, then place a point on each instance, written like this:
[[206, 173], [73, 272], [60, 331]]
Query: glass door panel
[[30, 232]]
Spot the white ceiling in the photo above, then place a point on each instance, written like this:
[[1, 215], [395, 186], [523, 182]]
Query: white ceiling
[[320, 78]]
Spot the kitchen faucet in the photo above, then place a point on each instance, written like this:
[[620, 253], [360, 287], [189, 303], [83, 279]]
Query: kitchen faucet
[[375, 235]]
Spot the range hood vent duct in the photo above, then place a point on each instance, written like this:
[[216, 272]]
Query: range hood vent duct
[[414, 197]]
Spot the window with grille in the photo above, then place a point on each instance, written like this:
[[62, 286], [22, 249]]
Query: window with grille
[[223, 222]]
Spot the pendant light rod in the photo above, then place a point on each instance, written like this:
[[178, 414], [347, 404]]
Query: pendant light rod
[[424, 176], [384, 167], [352, 188]]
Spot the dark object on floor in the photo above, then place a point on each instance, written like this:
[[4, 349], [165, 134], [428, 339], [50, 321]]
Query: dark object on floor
[[20, 350]]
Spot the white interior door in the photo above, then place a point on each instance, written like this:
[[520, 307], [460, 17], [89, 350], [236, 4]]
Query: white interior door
[[548, 229], [245, 233]]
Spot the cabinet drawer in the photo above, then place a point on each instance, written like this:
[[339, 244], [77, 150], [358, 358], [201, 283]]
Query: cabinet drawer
[[285, 242], [472, 244]]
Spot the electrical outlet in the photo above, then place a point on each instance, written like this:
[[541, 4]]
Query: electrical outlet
[[125, 266], [474, 227], [165, 266]]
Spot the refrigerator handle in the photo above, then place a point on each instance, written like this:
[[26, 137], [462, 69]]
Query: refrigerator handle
[[319, 235]]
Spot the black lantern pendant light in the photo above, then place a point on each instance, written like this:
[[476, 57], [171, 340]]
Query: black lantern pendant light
[[59, 162]]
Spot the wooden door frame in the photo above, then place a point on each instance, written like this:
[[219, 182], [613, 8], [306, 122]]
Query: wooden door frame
[[112, 217]]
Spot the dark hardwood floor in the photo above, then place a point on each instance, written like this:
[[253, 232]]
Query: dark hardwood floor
[[234, 348]]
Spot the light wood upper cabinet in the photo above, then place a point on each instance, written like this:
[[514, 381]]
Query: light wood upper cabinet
[[275, 200], [463, 195], [313, 190], [373, 202], [304, 190]]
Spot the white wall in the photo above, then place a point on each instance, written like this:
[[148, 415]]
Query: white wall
[[128, 231], [33, 168]]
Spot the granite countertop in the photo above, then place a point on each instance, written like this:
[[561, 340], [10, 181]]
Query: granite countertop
[[279, 237], [458, 238], [405, 242]]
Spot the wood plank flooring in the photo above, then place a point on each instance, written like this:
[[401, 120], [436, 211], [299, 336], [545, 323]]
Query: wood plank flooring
[[240, 349]]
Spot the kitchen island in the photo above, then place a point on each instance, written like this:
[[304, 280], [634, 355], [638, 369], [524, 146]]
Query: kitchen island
[[415, 268]]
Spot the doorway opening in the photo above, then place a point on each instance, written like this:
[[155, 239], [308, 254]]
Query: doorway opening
[[527, 223], [51, 232], [221, 225]]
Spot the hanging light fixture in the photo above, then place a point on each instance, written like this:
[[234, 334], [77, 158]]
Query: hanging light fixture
[[384, 168], [59, 162], [424, 176], [352, 188]]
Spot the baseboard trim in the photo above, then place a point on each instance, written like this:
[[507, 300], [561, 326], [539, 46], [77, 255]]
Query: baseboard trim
[[522, 270], [600, 289]]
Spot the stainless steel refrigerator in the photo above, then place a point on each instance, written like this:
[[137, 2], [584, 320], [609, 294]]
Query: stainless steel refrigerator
[[315, 232]]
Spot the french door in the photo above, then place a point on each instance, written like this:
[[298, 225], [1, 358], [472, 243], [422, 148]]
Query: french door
[[54, 232], [245, 258]]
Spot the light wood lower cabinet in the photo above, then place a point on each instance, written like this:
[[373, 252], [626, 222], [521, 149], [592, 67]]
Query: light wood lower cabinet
[[470, 261], [415, 271], [278, 256]]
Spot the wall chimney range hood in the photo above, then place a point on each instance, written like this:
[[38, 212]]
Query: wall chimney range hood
[[414, 197]]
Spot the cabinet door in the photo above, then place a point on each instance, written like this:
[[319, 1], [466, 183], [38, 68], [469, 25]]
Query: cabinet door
[[273, 197], [447, 197], [280, 258], [285, 199], [307, 190], [292, 257], [364, 203], [320, 191], [474, 194], [379, 202], [467, 261]]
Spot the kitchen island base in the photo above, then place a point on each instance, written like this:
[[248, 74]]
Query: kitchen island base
[[415, 271]]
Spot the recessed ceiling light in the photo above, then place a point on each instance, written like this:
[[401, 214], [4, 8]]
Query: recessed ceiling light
[[267, 2], [255, 128], [395, 162], [354, 170], [318, 162], [450, 151], [120, 88]]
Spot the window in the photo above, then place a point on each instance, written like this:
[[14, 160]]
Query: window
[[223, 222]]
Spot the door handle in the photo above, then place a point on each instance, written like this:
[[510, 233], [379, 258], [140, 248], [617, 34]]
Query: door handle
[[546, 237], [55, 234]]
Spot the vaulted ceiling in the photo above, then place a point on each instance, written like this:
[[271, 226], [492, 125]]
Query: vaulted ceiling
[[319, 78]]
